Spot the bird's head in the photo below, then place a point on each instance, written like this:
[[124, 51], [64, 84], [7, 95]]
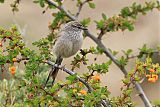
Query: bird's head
[[74, 25]]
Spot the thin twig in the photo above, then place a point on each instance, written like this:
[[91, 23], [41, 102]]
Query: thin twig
[[108, 54], [80, 8], [101, 34], [90, 89], [61, 8]]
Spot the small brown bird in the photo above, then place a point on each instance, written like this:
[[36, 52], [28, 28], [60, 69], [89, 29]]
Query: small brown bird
[[69, 41]]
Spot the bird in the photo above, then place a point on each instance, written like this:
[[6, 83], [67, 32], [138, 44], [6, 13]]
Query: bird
[[68, 43]]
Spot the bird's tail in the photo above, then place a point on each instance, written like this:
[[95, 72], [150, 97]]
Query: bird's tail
[[54, 71]]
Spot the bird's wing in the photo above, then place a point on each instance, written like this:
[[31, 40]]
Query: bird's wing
[[59, 34]]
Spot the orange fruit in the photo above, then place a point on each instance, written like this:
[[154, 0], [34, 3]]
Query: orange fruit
[[12, 70], [0, 43], [14, 59], [80, 84], [155, 76], [84, 92], [96, 77], [151, 70], [151, 79]]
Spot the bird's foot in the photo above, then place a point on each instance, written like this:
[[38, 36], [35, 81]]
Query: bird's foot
[[63, 66]]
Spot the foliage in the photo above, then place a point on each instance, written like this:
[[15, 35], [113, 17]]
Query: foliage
[[26, 87]]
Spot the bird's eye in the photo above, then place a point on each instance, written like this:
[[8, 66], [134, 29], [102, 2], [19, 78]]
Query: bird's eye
[[76, 25]]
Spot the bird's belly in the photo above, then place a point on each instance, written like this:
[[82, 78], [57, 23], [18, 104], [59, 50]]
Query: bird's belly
[[76, 47], [66, 49]]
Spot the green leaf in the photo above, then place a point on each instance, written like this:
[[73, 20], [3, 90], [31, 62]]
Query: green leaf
[[2, 59], [92, 5], [100, 50], [126, 81], [1, 1], [123, 61], [125, 12], [85, 22], [71, 78], [100, 24], [77, 57], [111, 26], [157, 103], [52, 7], [128, 92], [36, 1], [42, 3], [128, 25], [104, 16], [129, 51]]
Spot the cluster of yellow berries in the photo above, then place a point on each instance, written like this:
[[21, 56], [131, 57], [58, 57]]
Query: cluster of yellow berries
[[95, 77], [152, 77]]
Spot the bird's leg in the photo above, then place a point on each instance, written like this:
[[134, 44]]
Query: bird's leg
[[61, 67]]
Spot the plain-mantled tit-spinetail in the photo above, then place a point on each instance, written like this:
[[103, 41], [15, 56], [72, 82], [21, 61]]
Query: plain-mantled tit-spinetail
[[69, 41]]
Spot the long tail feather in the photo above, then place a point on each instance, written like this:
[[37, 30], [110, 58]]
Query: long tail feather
[[49, 76], [55, 71]]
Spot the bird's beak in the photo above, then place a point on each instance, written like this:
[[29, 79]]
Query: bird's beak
[[84, 28]]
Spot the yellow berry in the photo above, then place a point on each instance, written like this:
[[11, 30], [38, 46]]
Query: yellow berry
[[14, 59], [74, 90], [84, 92]]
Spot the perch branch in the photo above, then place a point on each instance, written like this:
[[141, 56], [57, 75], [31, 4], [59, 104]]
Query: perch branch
[[108, 54], [80, 79], [101, 34]]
